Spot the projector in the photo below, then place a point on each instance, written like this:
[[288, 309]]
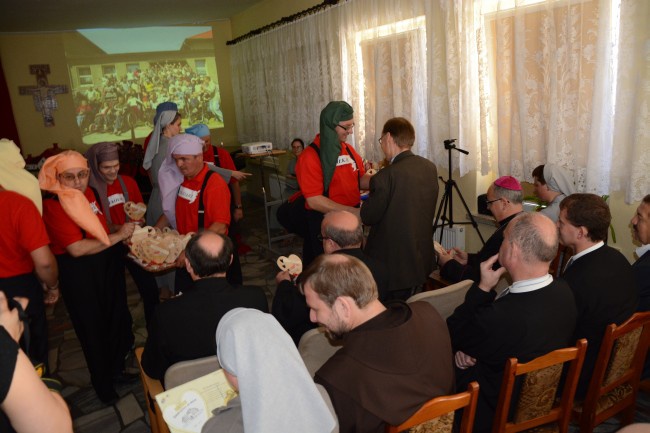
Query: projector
[[257, 147]]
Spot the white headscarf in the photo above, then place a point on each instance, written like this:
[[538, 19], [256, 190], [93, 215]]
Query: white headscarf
[[277, 393], [166, 117], [170, 177], [559, 179], [14, 177]]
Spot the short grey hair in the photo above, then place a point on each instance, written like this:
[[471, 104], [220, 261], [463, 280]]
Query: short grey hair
[[534, 245], [509, 194], [345, 238]]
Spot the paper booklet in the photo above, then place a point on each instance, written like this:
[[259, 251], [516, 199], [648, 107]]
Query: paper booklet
[[187, 407]]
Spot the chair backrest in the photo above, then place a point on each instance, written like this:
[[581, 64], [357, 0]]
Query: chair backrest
[[537, 404], [437, 415], [315, 349], [615, 381], [151, 387], [444, 300], [184, 371]]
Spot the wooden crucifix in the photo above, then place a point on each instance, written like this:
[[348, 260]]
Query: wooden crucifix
[[44, 94]]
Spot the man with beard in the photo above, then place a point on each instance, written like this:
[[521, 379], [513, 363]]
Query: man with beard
[[393, 359]]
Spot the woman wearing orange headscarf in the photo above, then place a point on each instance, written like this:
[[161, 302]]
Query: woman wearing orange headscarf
[[91, 273]]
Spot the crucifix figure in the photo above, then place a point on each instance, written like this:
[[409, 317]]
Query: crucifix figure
[[43, 93]]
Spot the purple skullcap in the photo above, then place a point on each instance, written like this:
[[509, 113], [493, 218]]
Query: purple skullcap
[[508, 182]]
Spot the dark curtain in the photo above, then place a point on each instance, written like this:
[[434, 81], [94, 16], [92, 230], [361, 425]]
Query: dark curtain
[[8, 124]]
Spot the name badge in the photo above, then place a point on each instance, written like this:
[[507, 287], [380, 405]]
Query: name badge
[[188, 194], [345, 160], [115, 199], [95, 208]]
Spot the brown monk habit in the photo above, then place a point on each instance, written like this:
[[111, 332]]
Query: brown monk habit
[[388, 367]]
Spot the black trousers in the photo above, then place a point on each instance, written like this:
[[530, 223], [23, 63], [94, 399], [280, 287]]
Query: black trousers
[[27, 286], [94, 292], [146, 284]]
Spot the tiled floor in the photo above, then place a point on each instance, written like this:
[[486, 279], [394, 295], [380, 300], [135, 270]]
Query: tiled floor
[[129, 413]]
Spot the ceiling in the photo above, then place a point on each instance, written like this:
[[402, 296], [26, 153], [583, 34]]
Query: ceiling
[[18, 16]]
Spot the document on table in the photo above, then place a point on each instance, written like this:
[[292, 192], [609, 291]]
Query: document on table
[[187, 407]]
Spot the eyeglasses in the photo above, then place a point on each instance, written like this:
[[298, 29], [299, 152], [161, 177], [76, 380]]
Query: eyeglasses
[[382, 137], [69, 177], [322, 238], [489, 202], [347, 128]]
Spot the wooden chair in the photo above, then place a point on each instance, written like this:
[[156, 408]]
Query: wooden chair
[[152, 388], [444, 300], [537, 405], [437, 415], [615, 381], [177, 374]]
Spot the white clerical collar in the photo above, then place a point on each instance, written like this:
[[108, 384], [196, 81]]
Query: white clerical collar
[[587, 251], [642, 250], [524, 286]]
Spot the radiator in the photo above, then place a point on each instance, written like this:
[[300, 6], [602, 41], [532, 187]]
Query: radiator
[[451, 237]]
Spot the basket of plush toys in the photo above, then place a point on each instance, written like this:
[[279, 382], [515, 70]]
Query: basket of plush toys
[[153, 249]]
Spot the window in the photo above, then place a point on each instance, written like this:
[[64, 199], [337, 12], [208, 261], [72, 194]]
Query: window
[[132, 67], [108, 70], [200, 67], [85, 76]]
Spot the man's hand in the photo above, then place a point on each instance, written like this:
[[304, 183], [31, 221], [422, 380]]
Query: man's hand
[[460, 256], [180, 261], [443, 256], [126, 230], [240, 175], [490, 278], [282, 276], [238, 214], [9, 318], [464, 361]]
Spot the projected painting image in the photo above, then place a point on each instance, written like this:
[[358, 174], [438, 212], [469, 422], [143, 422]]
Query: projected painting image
[[116, 91]]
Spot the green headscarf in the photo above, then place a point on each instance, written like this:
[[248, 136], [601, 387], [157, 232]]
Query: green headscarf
[[330, 146]]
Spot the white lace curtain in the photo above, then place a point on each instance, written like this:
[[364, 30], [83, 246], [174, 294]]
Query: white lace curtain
[[518, 83]]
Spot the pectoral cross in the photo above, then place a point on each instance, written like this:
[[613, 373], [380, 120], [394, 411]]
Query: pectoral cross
[[43, 93]]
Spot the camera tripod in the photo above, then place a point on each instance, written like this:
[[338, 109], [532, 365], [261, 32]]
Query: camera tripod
[[445, 208]]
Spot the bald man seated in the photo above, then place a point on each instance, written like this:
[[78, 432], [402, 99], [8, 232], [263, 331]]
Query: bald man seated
[[184, 327], [341, 233]]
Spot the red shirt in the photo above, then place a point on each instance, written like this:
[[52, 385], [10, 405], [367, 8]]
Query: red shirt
[[22, 232], [225, 160], [62, 230], [216, 202], [116, 198], [344, 187]]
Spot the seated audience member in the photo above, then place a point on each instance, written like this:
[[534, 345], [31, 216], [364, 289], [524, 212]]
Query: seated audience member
[[504, 200], [183, 327], [641, 268], [276, 393], [534, 316], [552, 184], [27, 404], [297, 146], [641, 229], [341, 233], [600, 277], [393, 358]]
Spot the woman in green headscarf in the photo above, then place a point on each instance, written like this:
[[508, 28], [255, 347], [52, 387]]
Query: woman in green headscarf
[[330, 173]]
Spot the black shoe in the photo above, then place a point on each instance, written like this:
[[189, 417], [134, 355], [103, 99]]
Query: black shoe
[[124, 378], [108, 398]]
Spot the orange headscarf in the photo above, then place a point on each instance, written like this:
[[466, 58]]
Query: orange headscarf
[[74, 202]]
